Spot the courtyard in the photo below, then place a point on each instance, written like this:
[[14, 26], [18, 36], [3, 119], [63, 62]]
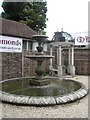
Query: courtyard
[[44, 77], [77, 109]]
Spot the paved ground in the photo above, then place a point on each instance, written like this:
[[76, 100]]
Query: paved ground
[[78, 109]]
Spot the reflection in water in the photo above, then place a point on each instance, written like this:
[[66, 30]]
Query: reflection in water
[[56, 87]]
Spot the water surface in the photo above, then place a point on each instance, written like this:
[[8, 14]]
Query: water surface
[[56, 87]]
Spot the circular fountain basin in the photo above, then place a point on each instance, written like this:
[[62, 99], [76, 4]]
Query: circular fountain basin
[[19, 91]]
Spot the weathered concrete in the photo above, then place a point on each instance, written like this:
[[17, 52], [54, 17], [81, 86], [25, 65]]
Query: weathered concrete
[[44, 100], [78, 109]]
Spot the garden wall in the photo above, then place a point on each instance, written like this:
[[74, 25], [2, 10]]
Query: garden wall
[[82, 61], [17, 65], [29, 66], [11, 65]]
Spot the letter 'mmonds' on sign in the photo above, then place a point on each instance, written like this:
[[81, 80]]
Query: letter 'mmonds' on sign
[[10, 44]]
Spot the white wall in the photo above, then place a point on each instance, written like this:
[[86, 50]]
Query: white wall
[[35, 44], [45, 47]]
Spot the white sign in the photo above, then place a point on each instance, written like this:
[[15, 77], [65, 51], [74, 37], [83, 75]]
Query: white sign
[[82, 40], [10, 44]]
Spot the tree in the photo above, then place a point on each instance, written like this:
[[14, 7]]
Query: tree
[[31, 13], [12, 10]]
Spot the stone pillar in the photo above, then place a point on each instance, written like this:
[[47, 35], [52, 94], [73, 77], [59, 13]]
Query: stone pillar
[[72, 55], [59, 62], [69, 61], [72, 67], [57, 57], [0, 66], [51, 58]]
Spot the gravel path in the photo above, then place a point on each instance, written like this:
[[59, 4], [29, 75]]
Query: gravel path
[[78, 109]]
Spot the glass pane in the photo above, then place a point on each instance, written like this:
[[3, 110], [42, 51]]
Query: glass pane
[[30, 45], [24, 45]]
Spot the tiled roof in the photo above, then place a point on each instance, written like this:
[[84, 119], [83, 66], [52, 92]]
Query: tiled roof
[[13, 28]]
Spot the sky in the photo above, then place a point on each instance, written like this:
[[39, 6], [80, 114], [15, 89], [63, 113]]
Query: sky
[[71, 15]]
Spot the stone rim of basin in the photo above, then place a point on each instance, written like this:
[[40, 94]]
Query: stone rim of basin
[[45, 100]]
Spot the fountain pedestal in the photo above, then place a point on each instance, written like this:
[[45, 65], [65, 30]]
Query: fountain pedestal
[[39, 82], [39, 79]]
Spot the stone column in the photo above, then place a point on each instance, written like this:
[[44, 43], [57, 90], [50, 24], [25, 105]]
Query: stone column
[[57, 57], [59, 62], [72, 56], [72, 67], [51, 58], [69, 60]]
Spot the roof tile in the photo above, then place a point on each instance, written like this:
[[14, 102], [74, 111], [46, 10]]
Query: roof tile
[[13, 28]]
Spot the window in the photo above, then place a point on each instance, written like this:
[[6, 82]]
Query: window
[[24, 45], [29, 45]]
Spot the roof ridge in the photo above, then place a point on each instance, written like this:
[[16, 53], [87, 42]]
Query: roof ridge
[[13, 21], [14, 28]]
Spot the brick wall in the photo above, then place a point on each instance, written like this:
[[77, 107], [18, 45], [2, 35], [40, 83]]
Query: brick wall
[[29, 65], [11, 65], [14, 65], [81, 56], [82, 61]]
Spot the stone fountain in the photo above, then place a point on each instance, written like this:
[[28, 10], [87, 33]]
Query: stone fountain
[[40, 57], [41, 90]]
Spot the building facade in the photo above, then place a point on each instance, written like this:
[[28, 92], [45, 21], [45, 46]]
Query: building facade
[[13, 63]]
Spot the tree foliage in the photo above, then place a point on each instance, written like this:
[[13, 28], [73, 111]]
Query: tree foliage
[[31, 13], [12, 10]]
